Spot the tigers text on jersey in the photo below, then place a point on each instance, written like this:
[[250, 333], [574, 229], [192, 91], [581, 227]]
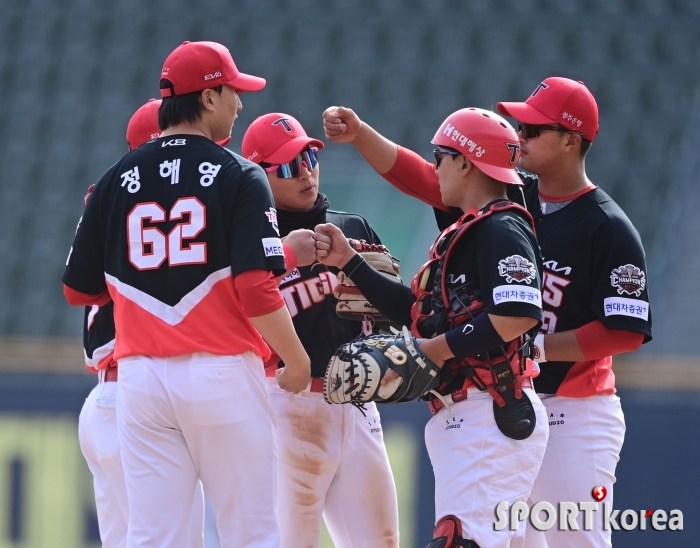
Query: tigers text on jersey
[[594, 269], [166, 230], [308, 292]]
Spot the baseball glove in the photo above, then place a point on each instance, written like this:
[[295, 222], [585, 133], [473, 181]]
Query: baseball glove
[[356, 369], [352, 304]]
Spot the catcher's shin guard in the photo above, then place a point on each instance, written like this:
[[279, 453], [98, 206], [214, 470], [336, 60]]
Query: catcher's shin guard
[[448, 534]]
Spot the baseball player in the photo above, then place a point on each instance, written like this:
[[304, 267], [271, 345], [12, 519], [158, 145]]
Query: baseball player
[[97, 425], [331, 459], [180, 235], [595, 294], [473, 303]]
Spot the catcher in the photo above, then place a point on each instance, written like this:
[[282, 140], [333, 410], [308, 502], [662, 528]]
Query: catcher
[[330, 460], [473, 307]]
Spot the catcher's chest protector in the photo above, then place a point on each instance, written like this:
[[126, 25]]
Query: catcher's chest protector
[[500, 372], [443, 309]]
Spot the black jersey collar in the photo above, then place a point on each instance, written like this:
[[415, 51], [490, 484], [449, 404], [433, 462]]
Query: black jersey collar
[[293, 220]]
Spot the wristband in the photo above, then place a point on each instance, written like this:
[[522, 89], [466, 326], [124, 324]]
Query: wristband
[[352, 265], [539, 348], [474, 337]]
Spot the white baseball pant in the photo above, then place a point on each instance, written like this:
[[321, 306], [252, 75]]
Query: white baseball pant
[[332, 461], [197, 416], [585, 439], [476, 466], [99, 442]]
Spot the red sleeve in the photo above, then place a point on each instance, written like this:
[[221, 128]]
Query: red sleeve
[[416, 177], [76, 298], [258, 292], [290, 259], [597, 341]]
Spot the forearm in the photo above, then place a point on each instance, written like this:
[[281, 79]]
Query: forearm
[[278, 331], [484, 333], [413, 175], [592, 341], [379, 152], [391, 298], [563, 347]]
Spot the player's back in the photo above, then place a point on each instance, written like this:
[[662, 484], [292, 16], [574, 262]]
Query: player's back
[[178, 218]]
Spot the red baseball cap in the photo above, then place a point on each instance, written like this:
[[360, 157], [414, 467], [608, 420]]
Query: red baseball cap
[[196, 66], [558, 101], [275, 138], [143, 125]]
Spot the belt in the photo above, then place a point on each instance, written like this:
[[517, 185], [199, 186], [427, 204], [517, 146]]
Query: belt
[[316, 385], [109, 375], [460, 395]]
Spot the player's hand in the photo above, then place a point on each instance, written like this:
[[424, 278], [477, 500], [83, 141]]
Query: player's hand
[[294, 378], [332, 247], [303, 244], [341, 124]]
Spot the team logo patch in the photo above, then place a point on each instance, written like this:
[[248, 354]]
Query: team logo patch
[[272, 219], [517, 269], [628, 280]]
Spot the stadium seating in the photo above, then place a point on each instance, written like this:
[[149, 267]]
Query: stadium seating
[[73, 71]]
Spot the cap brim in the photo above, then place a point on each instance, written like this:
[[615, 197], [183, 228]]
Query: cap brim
[[524, 113], [224, 142], [247, 82], [288, 151], [502, 174]]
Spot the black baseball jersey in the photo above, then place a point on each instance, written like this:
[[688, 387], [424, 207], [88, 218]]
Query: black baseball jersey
[[308, 291], [98, 336], [166, 230], [594, 269], [497, 261]]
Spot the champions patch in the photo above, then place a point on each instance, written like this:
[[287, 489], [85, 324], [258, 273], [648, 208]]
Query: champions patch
[[628, 279], [516, 269], [273, 247], [620, 306], [515, 294]]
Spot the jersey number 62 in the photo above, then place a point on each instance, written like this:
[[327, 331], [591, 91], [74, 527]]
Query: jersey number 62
[[149, 247]]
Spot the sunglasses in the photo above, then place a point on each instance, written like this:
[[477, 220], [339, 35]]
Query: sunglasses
[[530, 131], [291, 170], [440, 153]]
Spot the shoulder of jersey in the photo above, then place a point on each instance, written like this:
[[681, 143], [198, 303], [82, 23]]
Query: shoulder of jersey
[[528, 179], [347, 215], [609, 210], [354, 225]]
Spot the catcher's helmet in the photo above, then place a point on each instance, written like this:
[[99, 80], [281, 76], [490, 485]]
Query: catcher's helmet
[[486, 139]]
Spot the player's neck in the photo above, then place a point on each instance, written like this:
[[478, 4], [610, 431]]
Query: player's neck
[[197, 128], [480, 193], [563, 181]]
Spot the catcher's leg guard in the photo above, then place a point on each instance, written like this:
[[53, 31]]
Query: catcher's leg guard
[[448, 534]]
